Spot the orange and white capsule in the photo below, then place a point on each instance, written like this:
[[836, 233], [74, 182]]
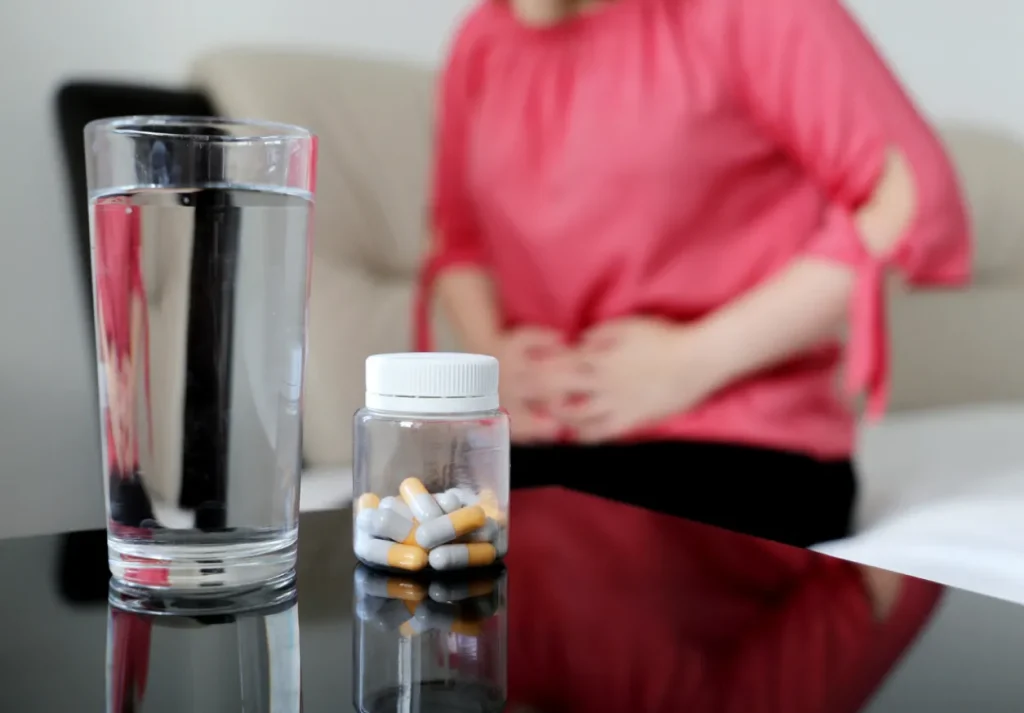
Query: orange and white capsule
[[459, 556], [427, 618], [390, 554], [387, 525], [448, 527], [367, 501], [373, 585], [422, 503]]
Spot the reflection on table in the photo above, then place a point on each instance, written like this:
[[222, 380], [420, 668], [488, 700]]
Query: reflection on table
[[423, 644], [614, 608], [241, 652]]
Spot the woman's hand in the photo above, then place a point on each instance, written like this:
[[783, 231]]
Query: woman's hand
[[884, 588], [634, 371], [526, 356]]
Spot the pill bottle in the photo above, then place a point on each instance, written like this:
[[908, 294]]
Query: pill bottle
[[429, 643], [431, 464]]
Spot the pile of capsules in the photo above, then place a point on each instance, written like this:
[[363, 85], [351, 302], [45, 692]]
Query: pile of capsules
[[413, 609], [455, 529]]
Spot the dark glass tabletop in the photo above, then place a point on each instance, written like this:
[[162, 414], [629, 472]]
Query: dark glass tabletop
[[601, 607]]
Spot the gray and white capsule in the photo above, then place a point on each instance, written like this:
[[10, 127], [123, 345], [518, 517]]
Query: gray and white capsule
[[393, 614], [459, 556], [450, 527], [487, 533], [467, 496], [386, 525], [398, 505], [501, 542], [447, 593], [449, 500]]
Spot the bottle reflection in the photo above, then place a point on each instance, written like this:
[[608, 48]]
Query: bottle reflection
[[233, 653], [429, 645], [615, 608]]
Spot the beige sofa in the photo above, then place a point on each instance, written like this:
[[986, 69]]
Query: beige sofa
[[374, 121]]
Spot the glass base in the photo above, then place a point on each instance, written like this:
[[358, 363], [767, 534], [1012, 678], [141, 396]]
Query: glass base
[[195, 567], [264, 599]]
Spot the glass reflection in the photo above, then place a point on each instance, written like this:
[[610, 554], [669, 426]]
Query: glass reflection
[[429, 645], [614, 608], [216, 654]]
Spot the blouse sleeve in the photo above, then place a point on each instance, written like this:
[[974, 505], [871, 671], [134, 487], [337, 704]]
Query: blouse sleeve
[[455, 238], [807, 73]]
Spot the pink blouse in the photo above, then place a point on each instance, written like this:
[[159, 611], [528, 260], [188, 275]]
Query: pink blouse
[[662, 157]]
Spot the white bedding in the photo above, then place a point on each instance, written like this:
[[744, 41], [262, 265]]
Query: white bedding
[[325, 489], [943, 499]]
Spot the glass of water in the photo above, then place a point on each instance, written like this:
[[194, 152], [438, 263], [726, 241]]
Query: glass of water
[[201, 235]]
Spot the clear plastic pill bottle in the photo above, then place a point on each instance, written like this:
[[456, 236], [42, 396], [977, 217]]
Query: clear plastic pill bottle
[[431, 464]]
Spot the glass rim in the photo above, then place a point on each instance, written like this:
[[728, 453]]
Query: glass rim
[[149, 125]]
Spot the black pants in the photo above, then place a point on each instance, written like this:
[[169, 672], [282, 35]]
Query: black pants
[[782, 496]]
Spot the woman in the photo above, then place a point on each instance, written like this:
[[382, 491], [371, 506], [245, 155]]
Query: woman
[[661, 215], [123, 334]]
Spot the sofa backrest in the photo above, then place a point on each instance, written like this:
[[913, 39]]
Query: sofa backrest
[[373, 119]]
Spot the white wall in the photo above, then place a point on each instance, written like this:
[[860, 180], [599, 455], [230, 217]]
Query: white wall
[[49, 452], [48, 434]]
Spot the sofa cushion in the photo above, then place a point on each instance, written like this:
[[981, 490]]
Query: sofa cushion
[[991, 168]]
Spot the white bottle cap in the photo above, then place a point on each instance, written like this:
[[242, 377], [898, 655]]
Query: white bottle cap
[[432, 383]]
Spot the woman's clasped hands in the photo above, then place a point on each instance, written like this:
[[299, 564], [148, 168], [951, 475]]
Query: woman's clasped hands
[[620, 376]]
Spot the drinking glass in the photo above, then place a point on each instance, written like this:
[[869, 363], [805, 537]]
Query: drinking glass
[[201, 235]]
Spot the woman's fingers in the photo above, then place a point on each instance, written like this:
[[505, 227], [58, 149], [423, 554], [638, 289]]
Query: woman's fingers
[[531, 426], [580, 410]]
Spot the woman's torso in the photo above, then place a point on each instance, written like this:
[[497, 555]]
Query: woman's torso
[[614, 172]]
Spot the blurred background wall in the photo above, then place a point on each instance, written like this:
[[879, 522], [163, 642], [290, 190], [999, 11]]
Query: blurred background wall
[[962, 61]]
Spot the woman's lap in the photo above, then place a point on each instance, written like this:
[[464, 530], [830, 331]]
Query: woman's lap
[[782, 496]]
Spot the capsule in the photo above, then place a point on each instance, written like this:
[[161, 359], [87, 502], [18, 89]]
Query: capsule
[[389, 554], [431, 618], [398, 505], [392, 615], [368, 606], [387, 525], [477, 554], [372, 585], [367, 501], [467, 496], [501, 542], [414, 626], [447, 593], [449, 500], [488, 532], [448, 527], [489, 502], [422, 503]]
